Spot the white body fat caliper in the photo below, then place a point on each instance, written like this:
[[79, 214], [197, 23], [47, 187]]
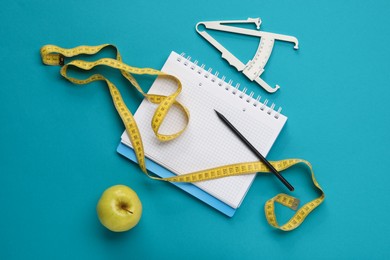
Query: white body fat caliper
[[254, 67]]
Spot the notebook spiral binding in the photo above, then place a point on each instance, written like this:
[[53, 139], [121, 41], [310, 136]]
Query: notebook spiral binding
[[270, 110]]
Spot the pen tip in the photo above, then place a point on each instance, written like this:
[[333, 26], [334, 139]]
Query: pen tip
[[220, 116]]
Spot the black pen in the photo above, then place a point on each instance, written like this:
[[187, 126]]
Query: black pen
[[254, 150]]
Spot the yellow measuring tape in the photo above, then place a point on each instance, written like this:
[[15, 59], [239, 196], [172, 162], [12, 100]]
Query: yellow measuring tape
[[54, 55]]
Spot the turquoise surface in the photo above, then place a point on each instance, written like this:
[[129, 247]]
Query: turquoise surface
[[58, 141]]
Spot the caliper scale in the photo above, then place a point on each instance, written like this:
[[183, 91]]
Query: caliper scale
[[254, 67]]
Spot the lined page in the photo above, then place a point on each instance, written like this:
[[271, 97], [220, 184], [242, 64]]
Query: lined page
[[207, 142]]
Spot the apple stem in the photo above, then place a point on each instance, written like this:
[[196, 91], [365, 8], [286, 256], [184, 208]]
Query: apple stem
[[124, 206]]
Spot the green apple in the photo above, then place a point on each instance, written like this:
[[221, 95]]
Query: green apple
[[119, 208]]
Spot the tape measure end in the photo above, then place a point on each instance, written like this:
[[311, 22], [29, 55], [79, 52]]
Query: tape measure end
[[61, 60], [295, 204]]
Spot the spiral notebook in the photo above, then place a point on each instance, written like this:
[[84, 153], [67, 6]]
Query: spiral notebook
[[207, 142]]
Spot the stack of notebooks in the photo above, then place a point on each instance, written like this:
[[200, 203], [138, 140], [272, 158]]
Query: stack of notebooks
[[207, 142]]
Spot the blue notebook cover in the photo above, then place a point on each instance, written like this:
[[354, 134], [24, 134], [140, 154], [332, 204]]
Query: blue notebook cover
[[188, 187]]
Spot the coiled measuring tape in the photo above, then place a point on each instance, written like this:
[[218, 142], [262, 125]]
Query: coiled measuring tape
[[54, 55]]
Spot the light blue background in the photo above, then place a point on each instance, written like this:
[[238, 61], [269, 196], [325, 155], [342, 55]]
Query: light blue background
[[58, 140]]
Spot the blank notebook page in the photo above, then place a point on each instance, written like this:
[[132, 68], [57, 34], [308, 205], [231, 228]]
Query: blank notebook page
[[207, 142]]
